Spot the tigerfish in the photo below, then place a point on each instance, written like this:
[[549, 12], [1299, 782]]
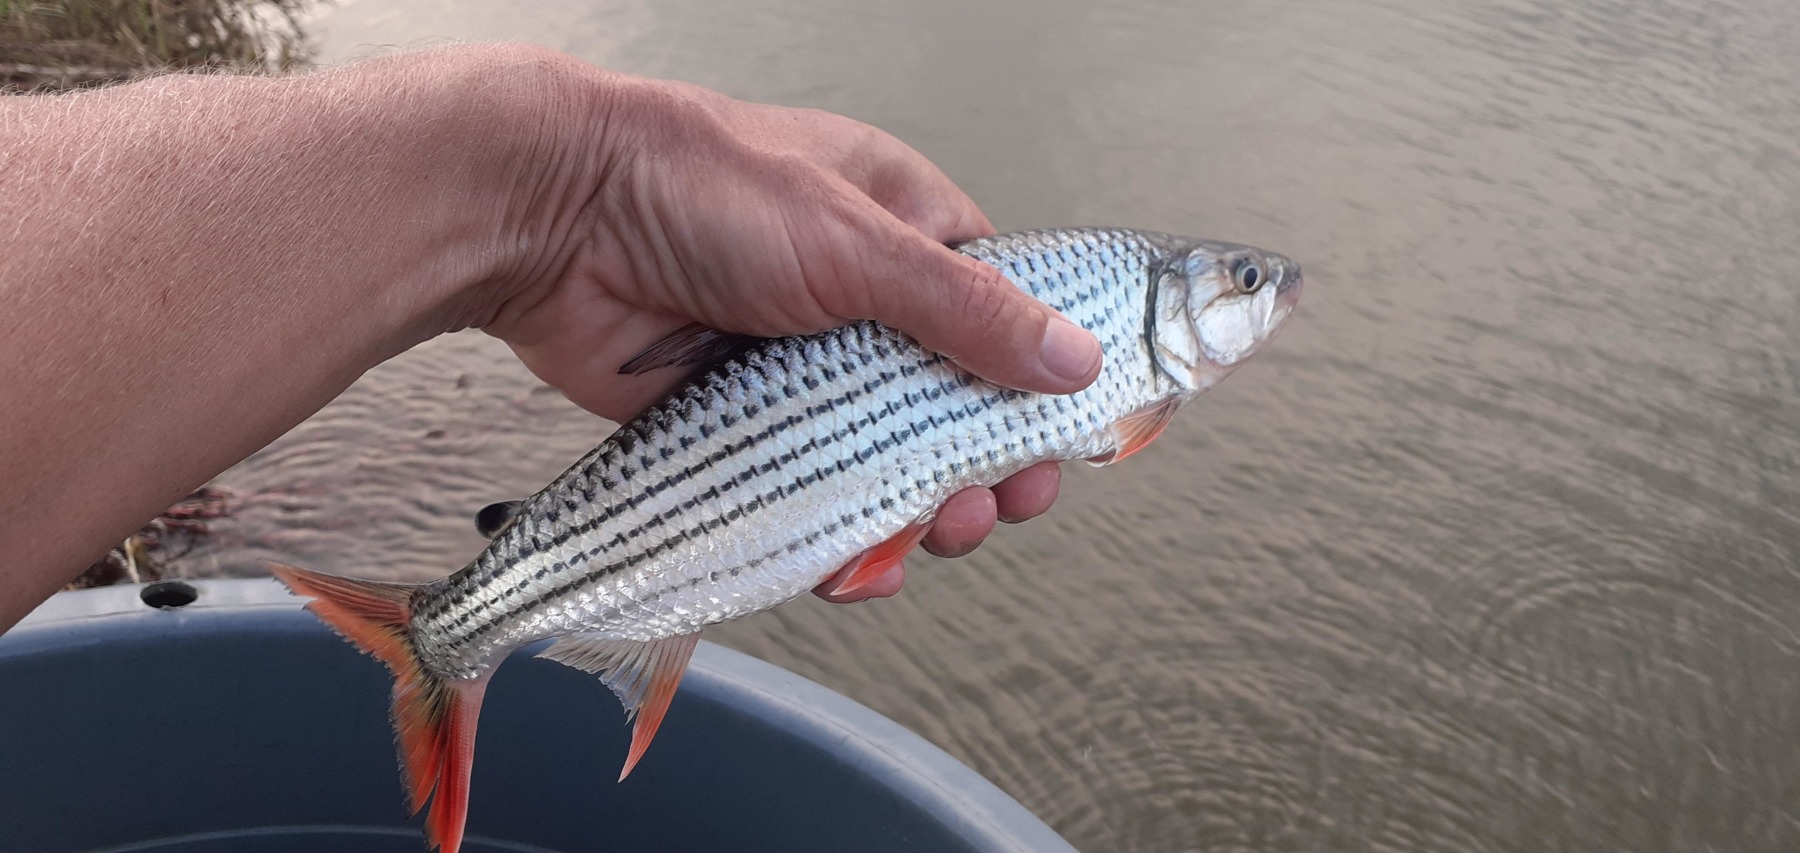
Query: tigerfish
[[794, 460]]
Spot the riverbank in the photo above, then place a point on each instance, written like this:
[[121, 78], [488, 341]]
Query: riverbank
[[68, 44]]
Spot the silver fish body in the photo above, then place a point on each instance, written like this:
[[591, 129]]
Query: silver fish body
[[764, 477], [777, 469]]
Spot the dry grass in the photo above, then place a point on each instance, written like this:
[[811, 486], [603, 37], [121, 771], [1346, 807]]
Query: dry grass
[[59, 44]]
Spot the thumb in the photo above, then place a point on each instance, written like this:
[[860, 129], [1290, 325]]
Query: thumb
[[966, 310]]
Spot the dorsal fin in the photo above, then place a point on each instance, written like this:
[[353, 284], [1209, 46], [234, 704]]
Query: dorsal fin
[[643, 675], [689, 345]]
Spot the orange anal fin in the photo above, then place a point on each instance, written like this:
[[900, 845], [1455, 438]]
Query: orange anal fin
[[1135, 431], [643, 675], [663, 679], [876, 561], [434, 718]]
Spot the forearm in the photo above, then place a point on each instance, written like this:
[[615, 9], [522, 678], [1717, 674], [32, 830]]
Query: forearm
[[192, 265]]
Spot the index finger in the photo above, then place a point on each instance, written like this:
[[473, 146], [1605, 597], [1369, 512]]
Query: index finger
[[965, 309], [893, 267]]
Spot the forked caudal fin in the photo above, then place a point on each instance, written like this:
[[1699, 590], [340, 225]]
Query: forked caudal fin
[[434, 718]]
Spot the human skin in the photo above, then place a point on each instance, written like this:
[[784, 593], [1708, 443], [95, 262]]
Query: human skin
[[191, 265]]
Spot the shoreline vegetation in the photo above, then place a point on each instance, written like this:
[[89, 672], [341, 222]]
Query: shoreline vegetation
[[147, 555], [59, 45]]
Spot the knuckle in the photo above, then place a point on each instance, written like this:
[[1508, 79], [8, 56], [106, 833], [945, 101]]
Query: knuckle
[[985, 300], [868, 144]]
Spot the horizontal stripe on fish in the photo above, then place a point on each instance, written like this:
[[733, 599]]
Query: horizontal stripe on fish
[[732, 452], [653, 547], [640, 434], [851, 354]]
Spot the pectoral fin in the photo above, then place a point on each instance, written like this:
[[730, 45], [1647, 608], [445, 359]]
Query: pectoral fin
[[1135, 431], [643, 675]]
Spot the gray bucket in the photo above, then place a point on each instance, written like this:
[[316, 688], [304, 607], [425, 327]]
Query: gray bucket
[[229, 720]]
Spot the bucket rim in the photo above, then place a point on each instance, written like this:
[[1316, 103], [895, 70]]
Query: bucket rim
[[909, 765]]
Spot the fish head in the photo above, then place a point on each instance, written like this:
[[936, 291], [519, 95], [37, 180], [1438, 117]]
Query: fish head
[[1213, 305]]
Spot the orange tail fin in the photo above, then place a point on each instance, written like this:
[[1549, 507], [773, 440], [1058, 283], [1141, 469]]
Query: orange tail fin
[[434, 717]]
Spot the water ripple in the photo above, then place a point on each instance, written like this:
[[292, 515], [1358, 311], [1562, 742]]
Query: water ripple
[[1496, 549]]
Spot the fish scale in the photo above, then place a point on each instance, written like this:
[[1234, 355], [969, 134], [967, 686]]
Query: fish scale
[[798, 460], [698, 515]]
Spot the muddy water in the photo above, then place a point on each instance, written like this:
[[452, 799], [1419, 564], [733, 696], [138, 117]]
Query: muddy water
[[1497, 549]]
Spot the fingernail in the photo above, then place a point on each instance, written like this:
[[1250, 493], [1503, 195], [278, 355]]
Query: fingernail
[[1069, 351]]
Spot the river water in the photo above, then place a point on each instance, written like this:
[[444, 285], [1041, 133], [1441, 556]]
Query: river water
[[1497, 549]]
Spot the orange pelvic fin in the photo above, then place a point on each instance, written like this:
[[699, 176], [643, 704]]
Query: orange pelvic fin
[[434, 718], [643, 675], [1135, 431], [875, 562]]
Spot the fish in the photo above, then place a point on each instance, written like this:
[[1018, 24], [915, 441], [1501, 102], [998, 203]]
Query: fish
[[793, 461]]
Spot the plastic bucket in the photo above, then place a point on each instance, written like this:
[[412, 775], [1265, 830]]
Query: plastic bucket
[[227, 719]]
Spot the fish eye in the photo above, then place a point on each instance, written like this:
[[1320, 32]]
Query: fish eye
[[1247, 274]]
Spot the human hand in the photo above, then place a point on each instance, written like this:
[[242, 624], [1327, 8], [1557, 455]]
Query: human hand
[[666, 204]]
